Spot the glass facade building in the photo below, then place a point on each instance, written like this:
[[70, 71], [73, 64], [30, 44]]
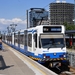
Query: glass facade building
[[37, 15]]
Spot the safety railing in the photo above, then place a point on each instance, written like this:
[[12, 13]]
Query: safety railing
[[71, 58]]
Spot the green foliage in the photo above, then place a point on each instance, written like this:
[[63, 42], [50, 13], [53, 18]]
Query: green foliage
[[69, 27]]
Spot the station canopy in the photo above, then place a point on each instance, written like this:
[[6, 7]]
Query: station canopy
[[71, 32]]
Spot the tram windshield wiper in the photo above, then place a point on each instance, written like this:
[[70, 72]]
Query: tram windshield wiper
[[62, 47], [49, 47]]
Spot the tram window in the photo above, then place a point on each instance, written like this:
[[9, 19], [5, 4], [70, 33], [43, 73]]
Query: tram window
[[9, 38], [35, 39], [21, 39], [16, 38], [25, 34], [30, 40], [25, 40]]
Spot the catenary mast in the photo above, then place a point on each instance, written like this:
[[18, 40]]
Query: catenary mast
[[74, 12]]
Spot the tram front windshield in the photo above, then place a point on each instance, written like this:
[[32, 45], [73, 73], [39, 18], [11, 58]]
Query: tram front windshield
[[52, 41]]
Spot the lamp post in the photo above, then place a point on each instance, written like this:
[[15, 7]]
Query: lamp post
[[13, 27], [8, 29]]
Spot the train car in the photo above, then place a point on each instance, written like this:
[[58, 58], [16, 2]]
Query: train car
[[44, 43]]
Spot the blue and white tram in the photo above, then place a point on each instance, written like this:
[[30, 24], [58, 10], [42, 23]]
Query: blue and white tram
[[47, 43], [44, 43]]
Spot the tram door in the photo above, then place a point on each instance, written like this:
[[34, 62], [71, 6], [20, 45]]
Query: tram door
[[29, 42], [35, 44]]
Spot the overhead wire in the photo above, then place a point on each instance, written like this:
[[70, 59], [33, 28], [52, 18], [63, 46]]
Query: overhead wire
[[23, 16]]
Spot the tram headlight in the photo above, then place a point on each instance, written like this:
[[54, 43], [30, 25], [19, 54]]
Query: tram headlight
[[44, 55], [64, 55]]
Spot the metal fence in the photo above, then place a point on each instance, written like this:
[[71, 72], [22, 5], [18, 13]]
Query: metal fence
[[71, 58]]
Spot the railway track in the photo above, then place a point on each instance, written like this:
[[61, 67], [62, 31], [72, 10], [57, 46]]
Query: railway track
[[71, 72]]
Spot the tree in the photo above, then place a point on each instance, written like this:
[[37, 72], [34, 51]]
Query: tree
[[69, 26]]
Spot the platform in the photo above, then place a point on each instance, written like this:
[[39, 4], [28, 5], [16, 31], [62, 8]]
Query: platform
[[12, 62]]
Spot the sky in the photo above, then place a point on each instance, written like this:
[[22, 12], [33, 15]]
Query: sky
[[14, 11]]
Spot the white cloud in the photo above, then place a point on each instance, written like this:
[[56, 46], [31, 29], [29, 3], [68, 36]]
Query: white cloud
[[14, 20], [18, 20], [4, 23]]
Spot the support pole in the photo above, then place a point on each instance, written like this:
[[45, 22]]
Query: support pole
[[74, 12], [27, 19]]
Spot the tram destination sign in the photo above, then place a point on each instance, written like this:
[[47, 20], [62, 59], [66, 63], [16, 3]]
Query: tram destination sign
[[52, 29]]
